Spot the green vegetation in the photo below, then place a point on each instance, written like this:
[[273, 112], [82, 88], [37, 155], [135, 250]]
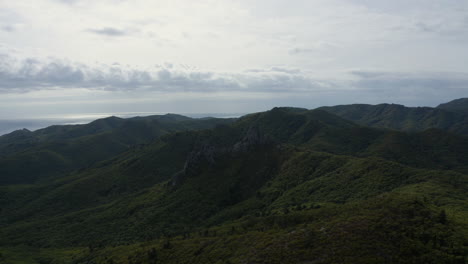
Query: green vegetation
[[458, 105], [449, 117], [26, 157], [284, 186]]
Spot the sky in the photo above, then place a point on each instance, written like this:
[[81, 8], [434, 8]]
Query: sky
[[72, 57]]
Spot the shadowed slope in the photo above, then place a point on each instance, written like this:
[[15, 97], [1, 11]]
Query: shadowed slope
[[399, 117]]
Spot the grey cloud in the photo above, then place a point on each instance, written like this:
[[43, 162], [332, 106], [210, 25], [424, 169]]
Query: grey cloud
[[8, 28], [109, 31], [426, 27], [314, 47], [285, 70], [412, 88], [282, 82], [9, 20], [9, 15], [399, 6], [275, 69], [32, 74], [69, 2], [299, 50], [74, 2], [370, 74], [367, 74]]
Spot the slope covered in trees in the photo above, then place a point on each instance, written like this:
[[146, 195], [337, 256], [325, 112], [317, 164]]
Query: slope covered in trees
[[26, 156], [458, 105], [399, 117], [283, 186]]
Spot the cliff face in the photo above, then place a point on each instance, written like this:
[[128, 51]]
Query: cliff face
[[252, 138], [208, 153]]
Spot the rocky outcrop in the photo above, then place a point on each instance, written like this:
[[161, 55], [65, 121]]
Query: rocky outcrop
[[252, 138], [208, 153]]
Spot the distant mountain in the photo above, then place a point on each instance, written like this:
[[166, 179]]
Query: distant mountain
[[458, 105], [27, 156], [399, 117], [322, 131], [288, 185]]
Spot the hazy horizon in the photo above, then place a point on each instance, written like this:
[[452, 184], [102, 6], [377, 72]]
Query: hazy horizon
[[39, 122], [32, 123]]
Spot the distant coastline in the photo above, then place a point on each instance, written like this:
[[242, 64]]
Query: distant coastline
[[10, 125]]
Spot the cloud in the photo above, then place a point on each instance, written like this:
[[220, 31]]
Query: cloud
[[299, 51], [69, 2], [10, 20], [423, 88], [314, 47], [88, 2], [110, 32], [275, 69], [27, 75], [411, 81], [8, 28], [33, 74]]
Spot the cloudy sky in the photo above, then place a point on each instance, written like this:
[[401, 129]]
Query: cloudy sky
[[109, 56]]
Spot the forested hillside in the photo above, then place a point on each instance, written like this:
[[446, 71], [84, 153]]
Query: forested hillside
[[288, 185], [26, 156], [458, 105], [450, 117]]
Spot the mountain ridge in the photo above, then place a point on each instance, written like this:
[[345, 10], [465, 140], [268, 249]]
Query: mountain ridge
[[288, 185], [399, 117], [457, 105], [63, 146]]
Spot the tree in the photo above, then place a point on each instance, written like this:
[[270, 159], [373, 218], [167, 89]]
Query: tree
[[442, 217], [167, 244], [153, 255]]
